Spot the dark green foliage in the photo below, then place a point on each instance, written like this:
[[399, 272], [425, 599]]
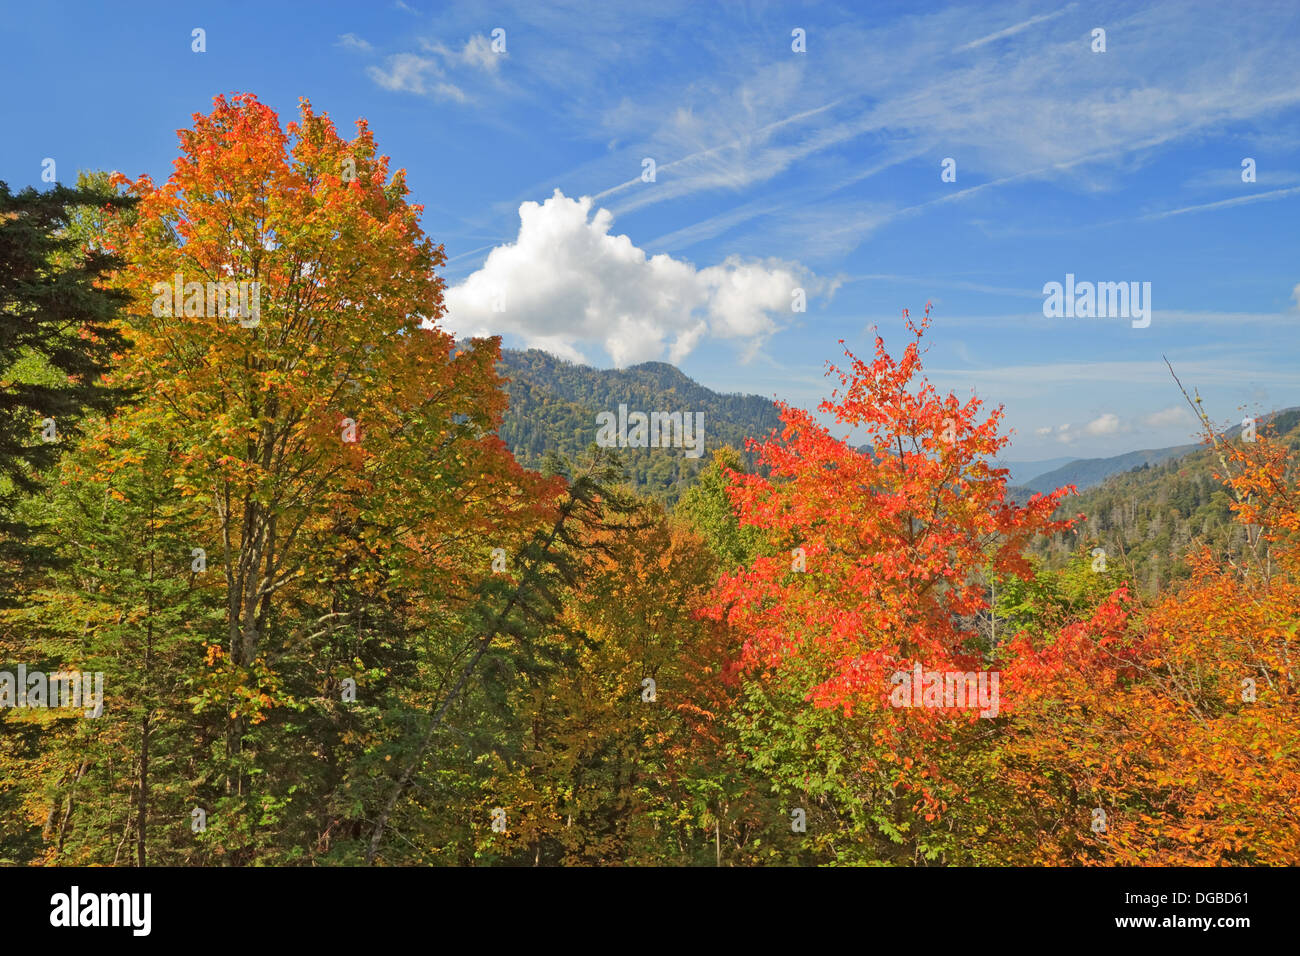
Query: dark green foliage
[[56, 339], [553, 407], [1149, 517]]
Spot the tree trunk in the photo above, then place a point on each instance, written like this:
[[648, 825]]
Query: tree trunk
[[142, 811]]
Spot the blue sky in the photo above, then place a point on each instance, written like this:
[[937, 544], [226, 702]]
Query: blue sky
[[777, 169]]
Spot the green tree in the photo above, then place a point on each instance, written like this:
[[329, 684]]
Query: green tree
[[707, 508], [57, 339]]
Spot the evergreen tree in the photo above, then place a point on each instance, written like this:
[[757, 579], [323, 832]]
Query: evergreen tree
[[57, 338]]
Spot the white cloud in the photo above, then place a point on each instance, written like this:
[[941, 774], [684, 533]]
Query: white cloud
[[1038, 104], [1012, 30], [1226, 203], [477, 53], [406, 72], [1067, 434], [1107, 424], [426, 74], [351, 41], [566, 281]]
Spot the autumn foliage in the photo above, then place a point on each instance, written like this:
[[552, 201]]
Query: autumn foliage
[[338, 617], [1179, 720], [1122, 735]]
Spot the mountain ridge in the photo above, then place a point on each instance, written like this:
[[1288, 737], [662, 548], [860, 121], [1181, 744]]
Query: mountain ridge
[[1086, 473], [554, 403]]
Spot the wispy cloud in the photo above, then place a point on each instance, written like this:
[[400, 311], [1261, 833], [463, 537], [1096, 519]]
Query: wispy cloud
[[1013, 30], [1034, 103], [1044, 106], [437, 70], [1228, 372], [704, 157], [351, 41], [476, 53], [1230, 178], [1226, 203], [944, 282], [411, 73]]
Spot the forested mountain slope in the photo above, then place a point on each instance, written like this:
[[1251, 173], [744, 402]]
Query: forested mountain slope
[[554, 404], [1144, 507], [1146, 518], [1086, 473]]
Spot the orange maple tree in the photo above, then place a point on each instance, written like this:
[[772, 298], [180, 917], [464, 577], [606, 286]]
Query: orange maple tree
[[877, 558], [1169, 734]]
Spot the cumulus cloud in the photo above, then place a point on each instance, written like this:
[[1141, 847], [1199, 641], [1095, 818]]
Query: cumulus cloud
[[1107, 424], [1064, 434], [566, 281]]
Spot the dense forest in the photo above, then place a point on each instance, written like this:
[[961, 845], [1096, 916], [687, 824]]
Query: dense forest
[[554, 403], [333, 620], [1149, 518]]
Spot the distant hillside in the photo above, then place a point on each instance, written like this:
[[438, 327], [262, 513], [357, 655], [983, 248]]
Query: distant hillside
[[1085, 473], [1144, 505], [1019, 472], [554, 403], [1147, 518]]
